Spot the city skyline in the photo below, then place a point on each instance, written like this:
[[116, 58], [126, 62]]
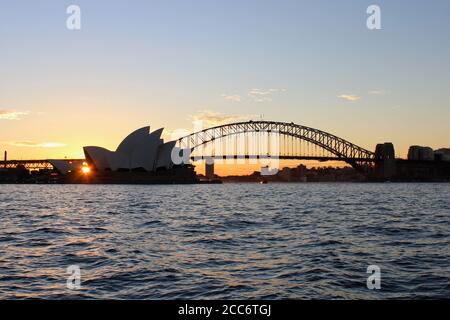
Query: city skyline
[[237, 157], [131, 65]]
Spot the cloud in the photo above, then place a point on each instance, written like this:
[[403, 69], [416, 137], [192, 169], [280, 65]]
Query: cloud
[[233, 97], [257, 95], [261, 95], [31, 144], [11, 114], [378, 92], [206, 119], [349, 97], [212, 119]]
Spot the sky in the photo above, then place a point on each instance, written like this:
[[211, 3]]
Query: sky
[[166, 63]]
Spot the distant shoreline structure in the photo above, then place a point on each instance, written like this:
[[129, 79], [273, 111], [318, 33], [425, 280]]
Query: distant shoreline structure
[[143, 157]]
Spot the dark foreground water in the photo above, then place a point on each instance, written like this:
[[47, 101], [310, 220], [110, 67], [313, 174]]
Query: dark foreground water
[[227, 241]]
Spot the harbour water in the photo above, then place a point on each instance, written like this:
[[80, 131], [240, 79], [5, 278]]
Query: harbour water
[[230, 241]]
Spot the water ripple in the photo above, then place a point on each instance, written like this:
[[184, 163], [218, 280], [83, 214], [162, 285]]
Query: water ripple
[[231, 241]]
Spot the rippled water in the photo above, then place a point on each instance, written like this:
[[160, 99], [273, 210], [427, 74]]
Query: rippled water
[[226, 241]]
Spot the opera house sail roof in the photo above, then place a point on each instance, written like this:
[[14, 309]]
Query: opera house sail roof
[[141, 150]]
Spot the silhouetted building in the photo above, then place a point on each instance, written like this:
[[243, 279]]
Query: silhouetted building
[[385, 164], [14, 175], [420, 153], [442, 154], [285, 174]]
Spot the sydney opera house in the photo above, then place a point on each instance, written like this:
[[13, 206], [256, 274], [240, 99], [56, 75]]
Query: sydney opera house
[[142, 157]]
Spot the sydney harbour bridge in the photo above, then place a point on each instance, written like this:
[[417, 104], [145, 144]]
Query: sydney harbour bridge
[[259, 140], [273, 140]]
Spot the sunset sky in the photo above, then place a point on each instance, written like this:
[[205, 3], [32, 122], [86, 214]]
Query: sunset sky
[[167, 63]]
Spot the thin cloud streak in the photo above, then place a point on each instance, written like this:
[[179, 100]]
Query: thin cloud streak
[[261, 95], [378, 92], [211, 119], [31, 144], [349, 97], [11, 115], [255, 95], [233, 97]]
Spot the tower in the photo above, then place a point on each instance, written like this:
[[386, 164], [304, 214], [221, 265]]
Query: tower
[[385, 160]]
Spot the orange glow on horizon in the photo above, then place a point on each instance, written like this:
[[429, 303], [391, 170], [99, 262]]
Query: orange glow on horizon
[[247, 169]]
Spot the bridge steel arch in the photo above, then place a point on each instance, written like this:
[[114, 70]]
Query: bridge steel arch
[[341, 148]]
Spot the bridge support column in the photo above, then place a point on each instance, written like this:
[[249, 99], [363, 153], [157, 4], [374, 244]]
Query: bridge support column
[[5, 159], [385, 161], [209, 170]]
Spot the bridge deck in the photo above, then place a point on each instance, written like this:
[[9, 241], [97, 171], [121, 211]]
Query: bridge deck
[[30, 164], [45, 164], [281, 157]]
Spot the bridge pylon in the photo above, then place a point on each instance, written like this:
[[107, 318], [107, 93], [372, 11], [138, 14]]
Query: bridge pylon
[[385, 163], [209, 170]]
